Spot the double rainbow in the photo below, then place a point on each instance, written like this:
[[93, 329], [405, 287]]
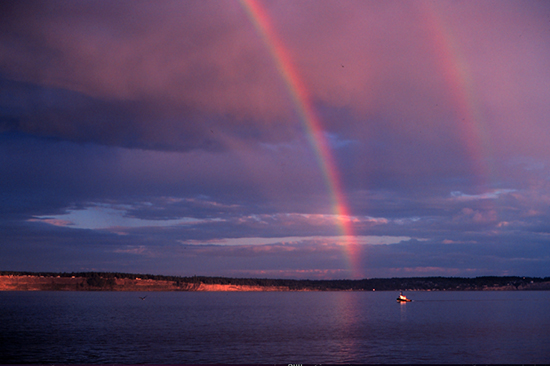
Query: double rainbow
[[459, 84]]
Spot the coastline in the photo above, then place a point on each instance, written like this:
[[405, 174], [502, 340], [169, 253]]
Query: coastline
[[108, 282], [42, 283]]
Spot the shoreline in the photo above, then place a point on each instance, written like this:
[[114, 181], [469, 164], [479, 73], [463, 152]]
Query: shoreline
[[37, 283], [108, 282]]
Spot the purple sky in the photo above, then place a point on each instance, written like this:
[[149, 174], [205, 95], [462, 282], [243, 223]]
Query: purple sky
[[160, 137]]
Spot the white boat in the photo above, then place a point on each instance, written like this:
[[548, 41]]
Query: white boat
[[403, 298]]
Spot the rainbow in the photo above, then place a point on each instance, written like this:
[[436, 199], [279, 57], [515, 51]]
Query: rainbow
[[460, 85], [312, 126], [457, 77]]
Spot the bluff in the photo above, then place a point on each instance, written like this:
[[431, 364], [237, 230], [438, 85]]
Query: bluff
[[102, 281], [58, 283]]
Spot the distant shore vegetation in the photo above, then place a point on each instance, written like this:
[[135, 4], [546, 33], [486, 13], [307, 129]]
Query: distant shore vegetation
[[107, 281]]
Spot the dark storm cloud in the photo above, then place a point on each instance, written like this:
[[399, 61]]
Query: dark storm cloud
[[178, 75], [146, 136], [73, 116], [41, 176], [139, 74]]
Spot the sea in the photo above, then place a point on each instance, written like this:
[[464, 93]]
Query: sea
[[274, 327]]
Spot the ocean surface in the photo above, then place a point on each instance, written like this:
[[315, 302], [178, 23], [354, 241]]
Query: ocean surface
[[274, 327]]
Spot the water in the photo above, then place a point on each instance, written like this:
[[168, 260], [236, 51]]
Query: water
[[274, 327]]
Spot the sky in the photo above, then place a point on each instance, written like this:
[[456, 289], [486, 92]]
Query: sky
[[276, 139]]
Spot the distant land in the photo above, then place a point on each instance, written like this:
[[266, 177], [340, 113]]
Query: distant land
[[111, 281]]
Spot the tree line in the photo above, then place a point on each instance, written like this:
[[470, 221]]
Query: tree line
[[103, 279]]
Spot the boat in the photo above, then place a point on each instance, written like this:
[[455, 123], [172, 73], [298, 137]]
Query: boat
[[403, 298]]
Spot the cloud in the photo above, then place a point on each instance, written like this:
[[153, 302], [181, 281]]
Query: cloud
[[487, 195], [293, 240], [103, 216], [53, 221], [56, 249], [146, 136], [178, 75], [158, 77]]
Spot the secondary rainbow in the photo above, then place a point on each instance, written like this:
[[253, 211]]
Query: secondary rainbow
[[460, 84], [311, 124]]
